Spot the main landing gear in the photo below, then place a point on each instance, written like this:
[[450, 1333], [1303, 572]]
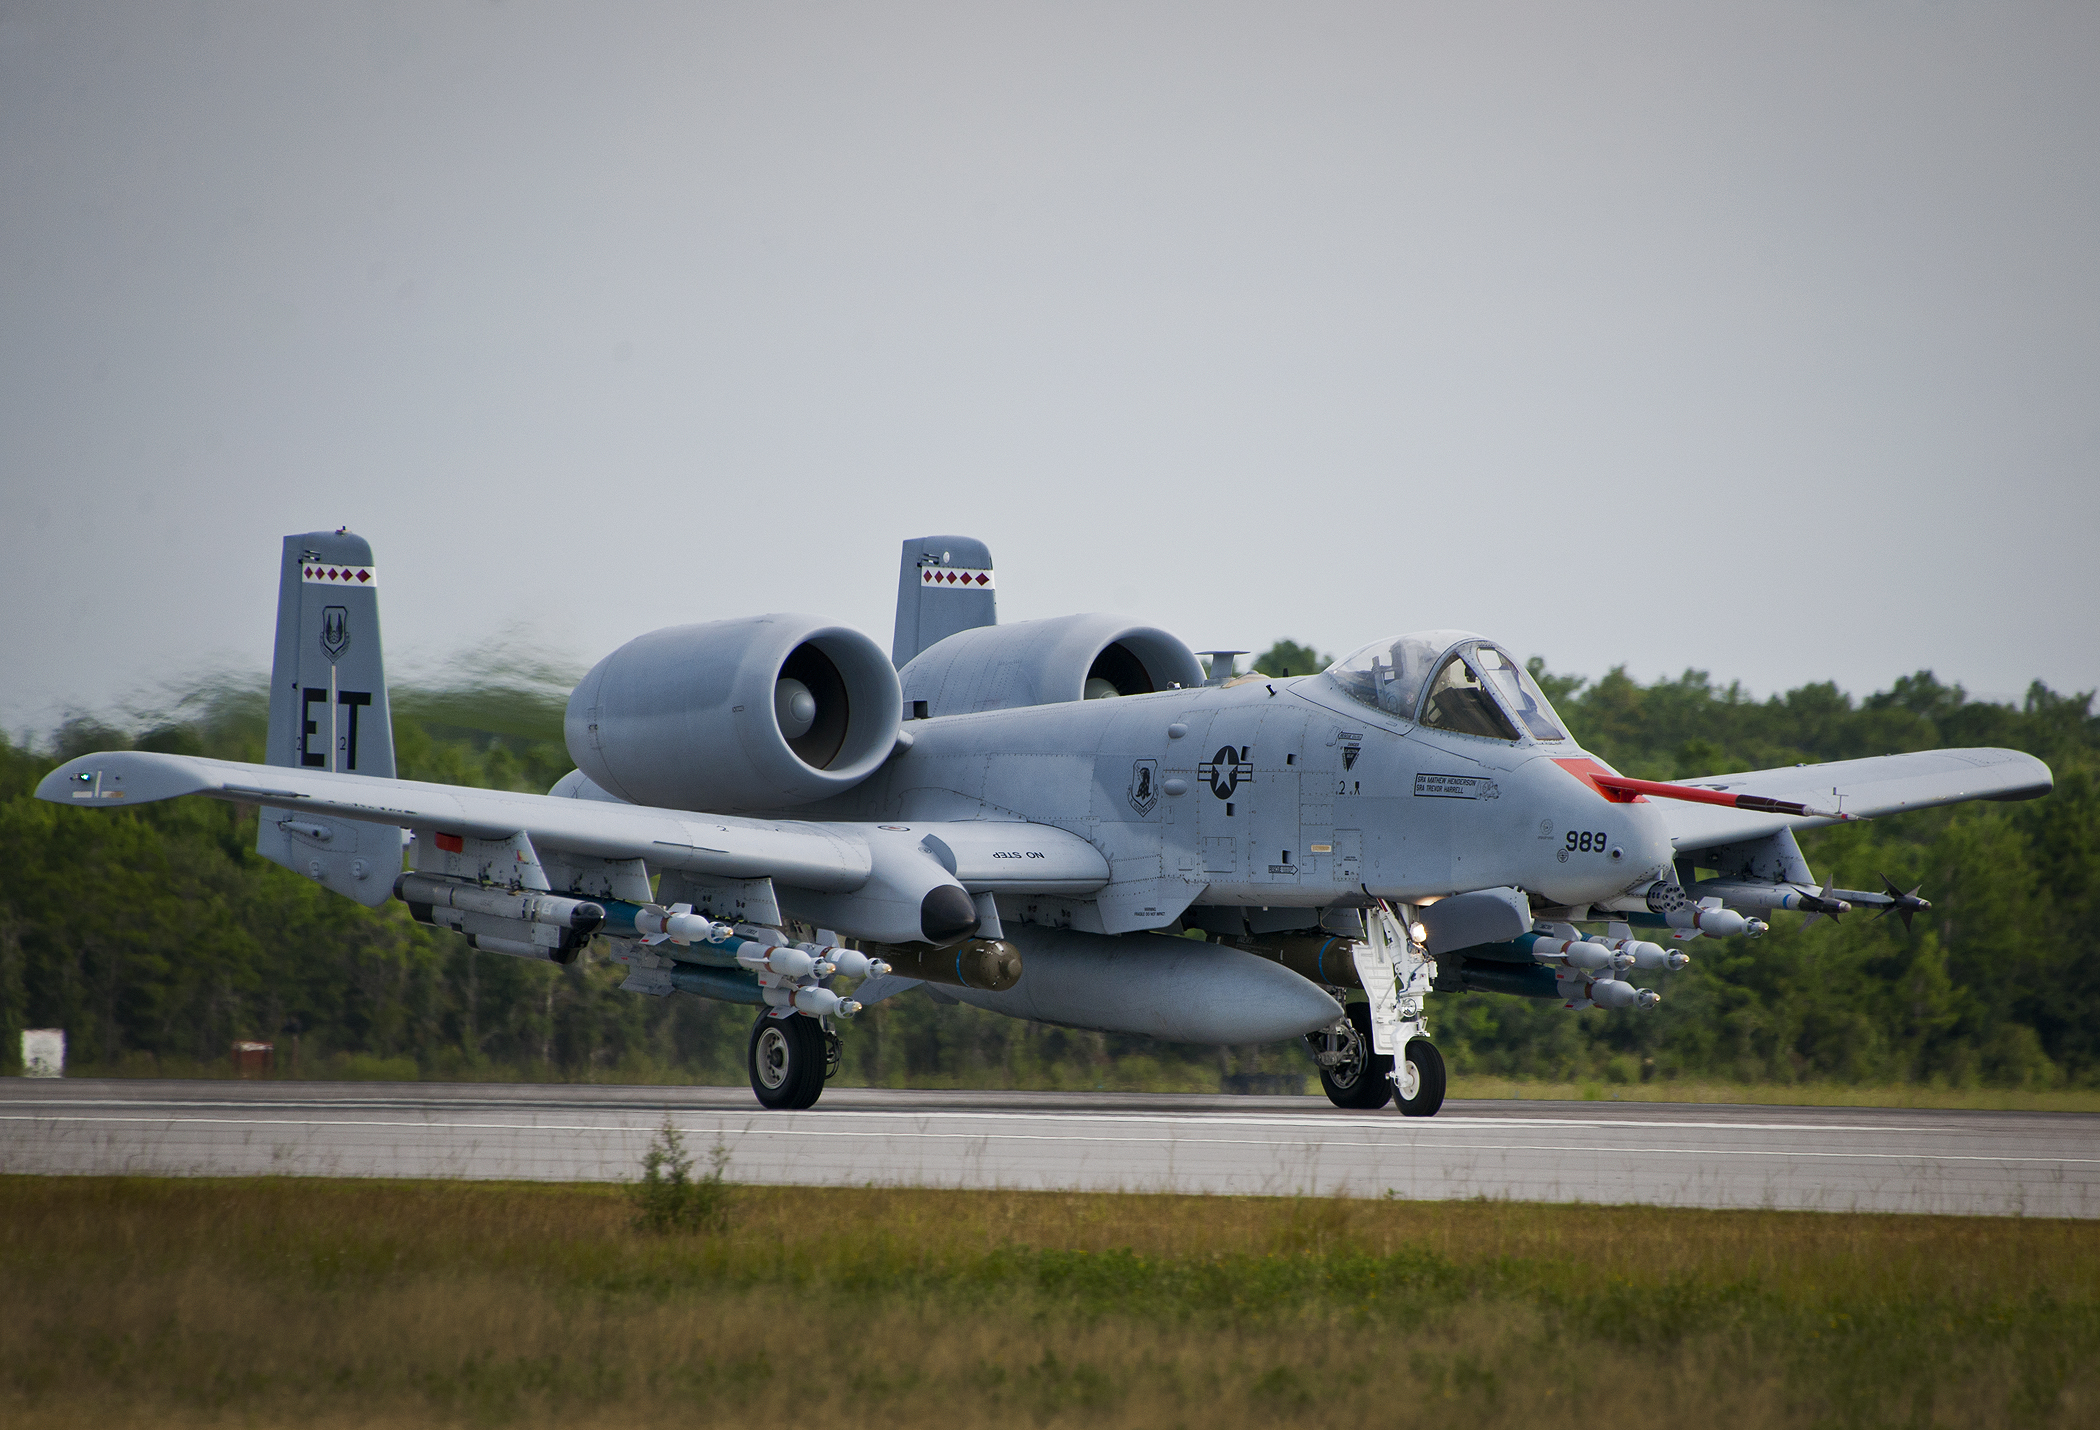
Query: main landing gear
[[790, 1060], [1355, 1077]]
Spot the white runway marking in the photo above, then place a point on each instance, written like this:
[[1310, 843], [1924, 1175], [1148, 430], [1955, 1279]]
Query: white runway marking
[[1845, 1159], [1186, 1140]]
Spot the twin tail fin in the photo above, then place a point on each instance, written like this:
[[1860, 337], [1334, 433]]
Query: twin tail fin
[[329, 711]]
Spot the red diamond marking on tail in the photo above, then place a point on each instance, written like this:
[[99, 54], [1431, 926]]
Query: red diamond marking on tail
[[982, 578], [364, 575]]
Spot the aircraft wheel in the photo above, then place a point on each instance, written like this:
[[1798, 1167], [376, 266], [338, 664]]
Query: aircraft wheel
[[1363, 1080], [787, 1061], [1419, 1086]]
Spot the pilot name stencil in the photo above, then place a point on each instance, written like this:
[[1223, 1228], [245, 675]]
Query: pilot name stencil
[[1455, 787]]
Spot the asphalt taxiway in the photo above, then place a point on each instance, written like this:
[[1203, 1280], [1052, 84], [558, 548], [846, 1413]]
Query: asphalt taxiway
[[1700, 1155]]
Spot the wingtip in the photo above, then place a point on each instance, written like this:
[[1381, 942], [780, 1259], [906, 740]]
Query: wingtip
[[115, 779]]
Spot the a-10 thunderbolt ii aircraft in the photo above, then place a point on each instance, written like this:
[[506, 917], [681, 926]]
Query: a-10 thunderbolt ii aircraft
[[1031, 818]]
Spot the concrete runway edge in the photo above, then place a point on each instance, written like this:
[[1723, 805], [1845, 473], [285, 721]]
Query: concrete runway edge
[[1696, 1155]]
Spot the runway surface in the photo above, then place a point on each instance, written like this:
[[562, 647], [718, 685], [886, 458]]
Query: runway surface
[[1833, 1159]]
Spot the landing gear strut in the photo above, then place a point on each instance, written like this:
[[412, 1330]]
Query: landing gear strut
[[789, 1059]]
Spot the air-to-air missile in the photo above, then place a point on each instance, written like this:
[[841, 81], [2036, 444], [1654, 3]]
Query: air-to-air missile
[[1789, 898]]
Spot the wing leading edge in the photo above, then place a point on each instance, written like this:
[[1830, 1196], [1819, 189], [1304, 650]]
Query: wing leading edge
[[825, 858], [1856, 789]]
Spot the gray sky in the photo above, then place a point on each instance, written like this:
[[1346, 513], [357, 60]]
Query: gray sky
[[1762, 340]]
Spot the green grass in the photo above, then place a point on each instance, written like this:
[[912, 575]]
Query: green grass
[[1807, 1094], [281, 1301]]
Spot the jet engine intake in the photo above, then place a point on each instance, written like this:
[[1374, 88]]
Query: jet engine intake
[[736, 716]]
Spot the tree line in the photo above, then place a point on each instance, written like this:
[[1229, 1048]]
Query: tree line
[[157, 936]]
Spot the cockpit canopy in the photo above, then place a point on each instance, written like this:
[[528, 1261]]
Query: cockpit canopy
[[1449, 680]]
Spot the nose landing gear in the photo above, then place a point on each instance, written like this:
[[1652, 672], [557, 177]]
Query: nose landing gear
[[1418, 1082], [1355, 1077], [1396, 974]]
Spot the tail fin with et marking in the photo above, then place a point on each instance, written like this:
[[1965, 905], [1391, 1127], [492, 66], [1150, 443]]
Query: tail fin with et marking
[[328, 711]]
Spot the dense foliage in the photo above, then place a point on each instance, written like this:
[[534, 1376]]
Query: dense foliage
[[156, 936], [1993, 985]]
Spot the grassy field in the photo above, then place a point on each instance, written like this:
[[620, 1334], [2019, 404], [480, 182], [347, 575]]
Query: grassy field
[[1804, 1094], [280, 1301]]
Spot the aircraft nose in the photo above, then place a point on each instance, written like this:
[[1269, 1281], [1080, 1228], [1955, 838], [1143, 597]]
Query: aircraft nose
[[1645, 850], [1589, 847]]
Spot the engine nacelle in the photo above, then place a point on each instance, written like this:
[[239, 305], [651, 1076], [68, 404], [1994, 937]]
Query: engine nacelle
[[1043, 663], [732, 716]]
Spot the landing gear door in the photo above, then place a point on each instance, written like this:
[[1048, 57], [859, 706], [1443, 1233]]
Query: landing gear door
[[1375, 965]]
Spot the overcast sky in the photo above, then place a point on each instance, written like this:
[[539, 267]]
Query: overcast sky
[[1764, 339]]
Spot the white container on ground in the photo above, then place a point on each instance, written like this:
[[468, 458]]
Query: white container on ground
[[43, 1052]]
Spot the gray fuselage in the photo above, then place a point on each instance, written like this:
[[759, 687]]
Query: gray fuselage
[[1270, 793]]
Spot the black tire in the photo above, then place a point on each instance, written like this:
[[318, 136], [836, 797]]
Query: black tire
[[786, 1061], [1428, 1066], [1365, 1083]]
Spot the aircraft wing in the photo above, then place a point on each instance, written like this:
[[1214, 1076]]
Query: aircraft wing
[[834, 858], [1883, 784]]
